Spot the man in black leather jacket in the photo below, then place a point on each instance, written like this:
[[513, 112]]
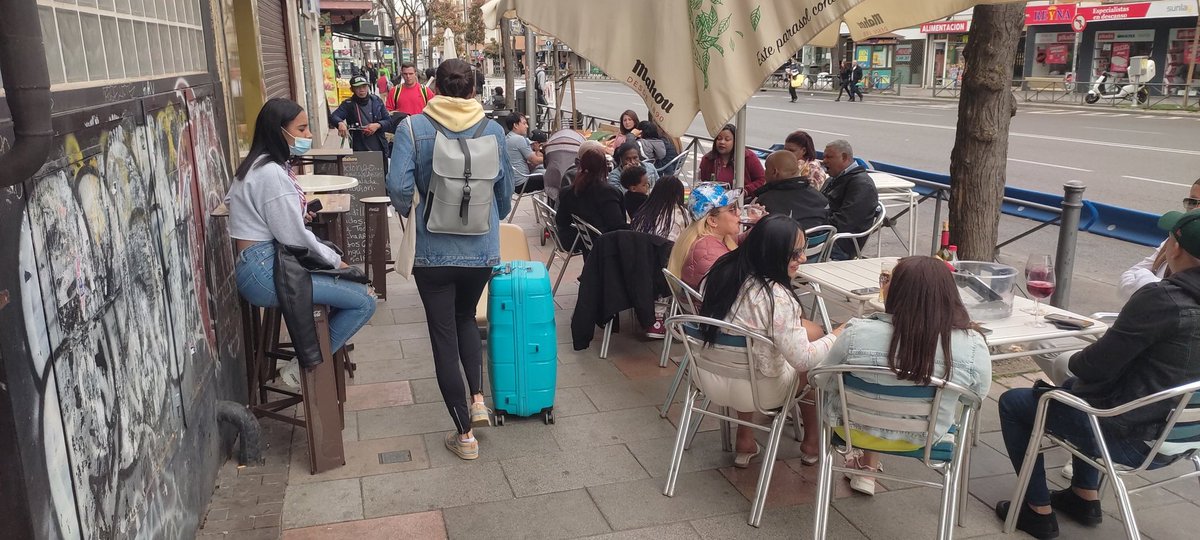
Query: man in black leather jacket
[[788, 193], [852, 197], [1154, 345]]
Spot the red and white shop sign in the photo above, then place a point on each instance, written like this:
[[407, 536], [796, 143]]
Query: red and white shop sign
[[1139, 10], [1051, 14], [946, 27]]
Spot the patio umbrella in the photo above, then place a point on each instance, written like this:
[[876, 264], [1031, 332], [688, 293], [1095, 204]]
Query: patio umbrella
[[875, 17], [681, 56], [448, 51]]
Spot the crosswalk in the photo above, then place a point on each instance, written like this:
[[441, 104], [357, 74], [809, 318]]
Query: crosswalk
[[1105, 114]]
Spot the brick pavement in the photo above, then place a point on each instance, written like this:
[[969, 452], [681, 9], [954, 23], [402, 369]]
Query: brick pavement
[[599, 471]]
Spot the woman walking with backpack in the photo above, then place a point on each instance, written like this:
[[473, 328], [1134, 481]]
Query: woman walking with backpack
[[457, 247]]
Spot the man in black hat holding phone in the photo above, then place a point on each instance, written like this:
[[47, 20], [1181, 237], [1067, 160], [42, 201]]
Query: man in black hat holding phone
[[363, 118]]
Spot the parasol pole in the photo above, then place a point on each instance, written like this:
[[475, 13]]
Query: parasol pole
[[739, 151], [1194, 52], [530, 88]]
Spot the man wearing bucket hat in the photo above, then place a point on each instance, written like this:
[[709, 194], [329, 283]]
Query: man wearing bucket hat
[[1148, 349], [363, 117]]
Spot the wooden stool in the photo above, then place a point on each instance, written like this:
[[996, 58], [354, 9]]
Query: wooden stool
[[377, 245], [322, 388]]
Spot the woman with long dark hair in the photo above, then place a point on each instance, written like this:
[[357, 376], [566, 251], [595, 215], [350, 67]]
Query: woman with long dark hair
[[663, 214], [801, 145], [591, 198], [627, 125], [717, 164], [450, 269], [924, 332], [751, 287], [267, 206]]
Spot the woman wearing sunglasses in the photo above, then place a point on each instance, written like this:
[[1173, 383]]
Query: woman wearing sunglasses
[[751, 287], [1154, 267]]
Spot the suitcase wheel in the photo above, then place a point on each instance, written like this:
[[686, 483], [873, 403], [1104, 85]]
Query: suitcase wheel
[[548, 417], [499, 420]]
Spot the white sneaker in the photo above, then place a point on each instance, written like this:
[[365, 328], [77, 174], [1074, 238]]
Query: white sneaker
[[1068, 470]]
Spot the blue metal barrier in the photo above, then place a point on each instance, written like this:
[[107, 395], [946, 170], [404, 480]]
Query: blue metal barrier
[[1097, 218]]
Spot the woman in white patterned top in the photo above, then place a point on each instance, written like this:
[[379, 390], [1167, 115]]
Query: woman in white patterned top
[[751, 287]]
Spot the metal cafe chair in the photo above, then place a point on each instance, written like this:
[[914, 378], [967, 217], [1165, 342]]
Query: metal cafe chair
[[1179, 439], [547, 216], [731, 358], [905, 406]]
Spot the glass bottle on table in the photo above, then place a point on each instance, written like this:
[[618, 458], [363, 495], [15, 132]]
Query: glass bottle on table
[[1039, 281], [943, 252]]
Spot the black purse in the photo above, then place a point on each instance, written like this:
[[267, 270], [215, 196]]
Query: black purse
[[316, 265]]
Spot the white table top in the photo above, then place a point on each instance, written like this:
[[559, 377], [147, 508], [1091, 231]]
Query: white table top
[[318, 183], [890, 182], [838, 278]]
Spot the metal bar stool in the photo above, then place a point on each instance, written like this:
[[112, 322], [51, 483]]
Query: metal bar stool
[[377, 244]]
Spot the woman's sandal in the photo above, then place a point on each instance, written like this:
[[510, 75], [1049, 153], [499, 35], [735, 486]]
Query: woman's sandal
[[742, 460], [861, 484]]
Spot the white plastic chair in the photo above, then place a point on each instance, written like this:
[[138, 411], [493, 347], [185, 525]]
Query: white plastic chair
[[734, 360], [905, 406], [1178, 439]]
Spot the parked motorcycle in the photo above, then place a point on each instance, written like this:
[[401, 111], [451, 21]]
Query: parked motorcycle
[[1103, 89]]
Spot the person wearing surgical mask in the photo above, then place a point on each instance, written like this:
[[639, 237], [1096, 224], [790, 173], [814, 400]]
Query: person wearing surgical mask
[[267, 206]]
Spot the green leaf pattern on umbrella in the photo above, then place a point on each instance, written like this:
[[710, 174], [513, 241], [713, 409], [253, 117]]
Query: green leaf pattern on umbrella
[[707, 27], [755, 16]]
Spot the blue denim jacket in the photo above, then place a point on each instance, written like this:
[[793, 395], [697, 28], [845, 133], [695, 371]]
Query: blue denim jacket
[[865, 342], [409, 169]]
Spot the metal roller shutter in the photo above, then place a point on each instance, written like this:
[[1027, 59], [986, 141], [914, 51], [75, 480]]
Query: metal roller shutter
[[276, 67]]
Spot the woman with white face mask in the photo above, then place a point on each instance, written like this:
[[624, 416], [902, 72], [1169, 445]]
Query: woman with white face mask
[[267, 206]]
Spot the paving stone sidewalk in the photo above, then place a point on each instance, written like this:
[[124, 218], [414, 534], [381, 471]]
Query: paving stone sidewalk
[[597, 472]]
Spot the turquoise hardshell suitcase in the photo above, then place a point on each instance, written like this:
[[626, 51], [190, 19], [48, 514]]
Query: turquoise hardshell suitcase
[[522, 349]]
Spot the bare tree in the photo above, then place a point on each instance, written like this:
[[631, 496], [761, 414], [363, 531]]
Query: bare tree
[[985, 110], [409, 15]]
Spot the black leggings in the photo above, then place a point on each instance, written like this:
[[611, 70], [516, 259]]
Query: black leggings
[[450, 294]]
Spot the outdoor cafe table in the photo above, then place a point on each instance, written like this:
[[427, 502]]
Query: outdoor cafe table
[[894, 188], [833, 281], [322, 183], [330, 153]]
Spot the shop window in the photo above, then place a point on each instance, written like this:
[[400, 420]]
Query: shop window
[[101, 40]]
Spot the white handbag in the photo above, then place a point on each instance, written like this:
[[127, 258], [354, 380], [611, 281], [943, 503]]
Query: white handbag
[[407, 252]]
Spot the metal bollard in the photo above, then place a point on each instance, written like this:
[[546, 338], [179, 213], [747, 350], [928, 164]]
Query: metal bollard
[[1068, 233]]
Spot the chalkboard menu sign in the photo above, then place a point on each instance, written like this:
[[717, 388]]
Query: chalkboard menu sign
[[367, 167]]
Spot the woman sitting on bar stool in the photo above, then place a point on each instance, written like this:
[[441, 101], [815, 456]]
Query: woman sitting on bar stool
[[267, 206]]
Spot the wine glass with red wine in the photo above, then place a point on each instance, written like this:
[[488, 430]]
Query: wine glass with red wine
[[1039, 281]]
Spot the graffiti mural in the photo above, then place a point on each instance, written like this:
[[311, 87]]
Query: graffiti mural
[[131, 325]]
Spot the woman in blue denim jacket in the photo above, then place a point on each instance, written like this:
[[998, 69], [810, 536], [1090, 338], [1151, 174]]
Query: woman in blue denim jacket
[[451, 270], [923, 312]]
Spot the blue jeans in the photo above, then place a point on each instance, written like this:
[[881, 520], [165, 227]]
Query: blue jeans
[[351, 304], [1017, 409]]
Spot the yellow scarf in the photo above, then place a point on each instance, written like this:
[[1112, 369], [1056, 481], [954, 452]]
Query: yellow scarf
[[457, 114]]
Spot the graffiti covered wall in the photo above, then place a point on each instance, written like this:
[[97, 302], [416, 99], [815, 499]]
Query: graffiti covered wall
[[122, 326]]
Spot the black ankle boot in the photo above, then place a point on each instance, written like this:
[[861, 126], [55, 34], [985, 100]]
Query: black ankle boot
[[1041, 526]]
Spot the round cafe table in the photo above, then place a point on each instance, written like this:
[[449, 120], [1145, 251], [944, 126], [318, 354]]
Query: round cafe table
[[323, 183]]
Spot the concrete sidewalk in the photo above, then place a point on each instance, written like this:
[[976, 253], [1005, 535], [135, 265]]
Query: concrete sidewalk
[[598, 471]]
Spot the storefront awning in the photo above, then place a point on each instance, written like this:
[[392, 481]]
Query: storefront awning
[[363, 36]]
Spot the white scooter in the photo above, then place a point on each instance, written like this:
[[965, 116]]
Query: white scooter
[[1102, 89]]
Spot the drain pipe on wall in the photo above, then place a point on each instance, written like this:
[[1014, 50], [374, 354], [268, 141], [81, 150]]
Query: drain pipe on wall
[[27, 89]]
